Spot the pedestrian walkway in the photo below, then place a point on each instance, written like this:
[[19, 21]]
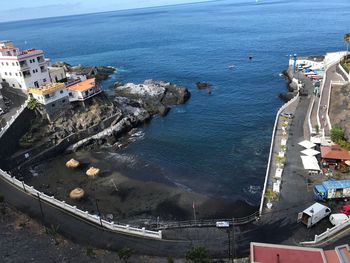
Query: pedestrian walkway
[[323, 118]]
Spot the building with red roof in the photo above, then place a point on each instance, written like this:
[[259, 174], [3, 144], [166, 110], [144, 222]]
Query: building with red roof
[[271, 253], [334, 152]]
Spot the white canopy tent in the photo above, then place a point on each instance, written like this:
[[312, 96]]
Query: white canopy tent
[[307, 144], [310, 163], [310, 152]]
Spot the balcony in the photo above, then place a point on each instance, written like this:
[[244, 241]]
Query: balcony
[[26, 74], [23, 65], [41, 59], [43, 69]]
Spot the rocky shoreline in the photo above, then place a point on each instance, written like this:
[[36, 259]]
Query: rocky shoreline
[[102, 119], [291, 86]]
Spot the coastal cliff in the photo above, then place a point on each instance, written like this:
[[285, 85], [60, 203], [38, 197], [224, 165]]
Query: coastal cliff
[[100, 120]]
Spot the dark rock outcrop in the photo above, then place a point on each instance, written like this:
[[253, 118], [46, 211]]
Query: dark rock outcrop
[[202, 85], [153, 95], [98, 72]]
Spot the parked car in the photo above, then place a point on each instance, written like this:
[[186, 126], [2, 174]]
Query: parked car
[[338, 219], [345, 209], [289, 115], [221, 224], [313, 214]]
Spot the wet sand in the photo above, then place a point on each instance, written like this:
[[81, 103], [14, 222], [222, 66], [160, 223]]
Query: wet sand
[[127, 189]]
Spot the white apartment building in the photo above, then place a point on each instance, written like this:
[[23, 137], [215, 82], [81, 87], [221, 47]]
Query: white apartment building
[[52, 94], [23, 69]]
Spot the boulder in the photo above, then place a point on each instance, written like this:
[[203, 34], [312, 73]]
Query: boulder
[[202, 85]]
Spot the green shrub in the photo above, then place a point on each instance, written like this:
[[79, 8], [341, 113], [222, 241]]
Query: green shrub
[[337, 134], [198, 254], [26, 141]]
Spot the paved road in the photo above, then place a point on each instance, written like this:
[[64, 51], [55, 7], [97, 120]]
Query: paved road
[[16, 98]]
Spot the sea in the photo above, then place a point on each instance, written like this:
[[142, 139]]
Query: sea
[[216, 144]]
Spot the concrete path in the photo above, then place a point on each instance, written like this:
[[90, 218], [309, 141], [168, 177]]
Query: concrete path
[[331, 75]]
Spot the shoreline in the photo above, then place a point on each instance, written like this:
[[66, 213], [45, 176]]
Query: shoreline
[[148, 195]]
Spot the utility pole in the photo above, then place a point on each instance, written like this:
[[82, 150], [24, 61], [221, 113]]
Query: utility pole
[[229, 244], [233, 241], [98, 211], [41, 208]]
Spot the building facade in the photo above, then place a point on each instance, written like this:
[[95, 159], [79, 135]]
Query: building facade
[[57, 74], [23, 69], [54, 97], [83, 90]]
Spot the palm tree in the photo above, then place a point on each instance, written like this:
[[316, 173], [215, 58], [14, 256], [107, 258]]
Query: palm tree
[[347, 40]]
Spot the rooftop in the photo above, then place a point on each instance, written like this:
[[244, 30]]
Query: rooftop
[[334, 152], [270, 253], [83, 85], [46, 89]]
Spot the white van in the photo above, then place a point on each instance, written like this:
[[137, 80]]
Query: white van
[[313, 214], [338, 219]]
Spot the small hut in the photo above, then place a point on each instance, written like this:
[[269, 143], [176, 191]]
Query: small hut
[[92, 171], [72, 163], [77, 194]]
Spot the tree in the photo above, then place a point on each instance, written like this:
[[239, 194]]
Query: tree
[[337, 134], [32, 104], [198, 254], [317, 129], [347, 41], [124, 254]]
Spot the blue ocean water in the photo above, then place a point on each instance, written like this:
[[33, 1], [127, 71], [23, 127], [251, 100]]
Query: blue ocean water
[[215, 144]]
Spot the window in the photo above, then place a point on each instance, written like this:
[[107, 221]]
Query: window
[[61, 91], [36, 70], [20, 85], [20, 74], [17, 64], [44, 80], [53, 105], [47, 96], [63, 101], [10, 73], [2, 63], [16, 74], [13, 63], [33, 70], [7, 63], [13, 85], [70, 94], [6, 73]]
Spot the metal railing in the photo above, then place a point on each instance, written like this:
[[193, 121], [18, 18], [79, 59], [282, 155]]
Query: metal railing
[[206, 222], [84, 215]]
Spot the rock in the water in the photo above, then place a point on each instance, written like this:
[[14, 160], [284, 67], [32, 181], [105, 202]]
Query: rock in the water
[[154, 95], [287, 96], [202, 85]]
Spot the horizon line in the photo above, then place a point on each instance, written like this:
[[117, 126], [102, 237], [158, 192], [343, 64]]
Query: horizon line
[[111, 11]]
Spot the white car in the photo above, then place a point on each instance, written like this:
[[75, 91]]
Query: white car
[[289, 115], [221, 224], [337, 219]]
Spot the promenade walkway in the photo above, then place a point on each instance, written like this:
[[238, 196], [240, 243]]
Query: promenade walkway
[[323, 118]]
